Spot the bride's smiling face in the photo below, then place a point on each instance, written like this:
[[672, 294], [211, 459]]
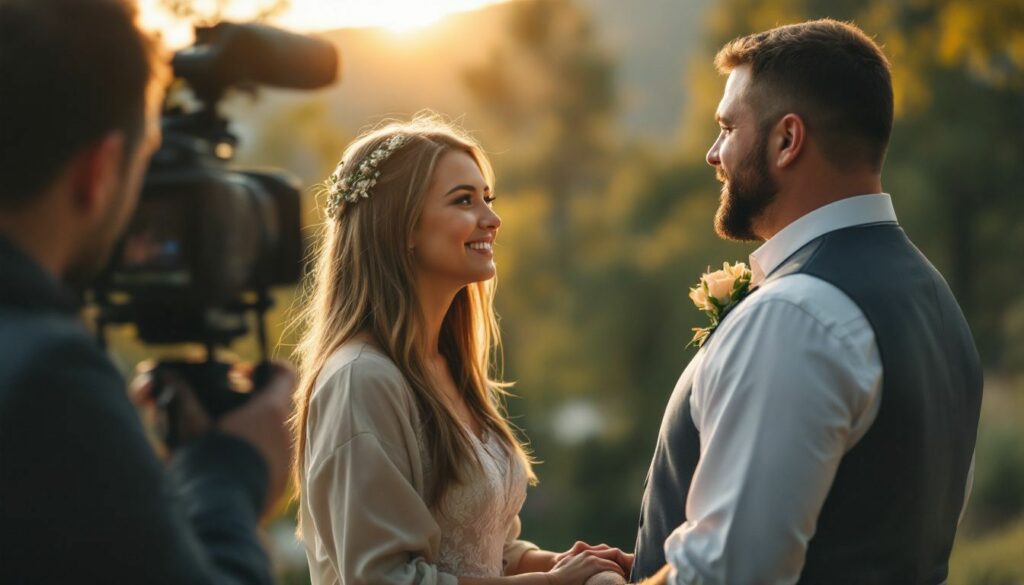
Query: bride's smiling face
[[452, 243]]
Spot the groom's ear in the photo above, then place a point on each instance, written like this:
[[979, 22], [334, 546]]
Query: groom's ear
[[790, 136]]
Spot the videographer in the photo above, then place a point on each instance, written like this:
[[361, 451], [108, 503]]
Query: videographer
[[83, 497]]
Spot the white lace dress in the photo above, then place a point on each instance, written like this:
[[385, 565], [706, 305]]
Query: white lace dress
[[475, 517], [363, 514]]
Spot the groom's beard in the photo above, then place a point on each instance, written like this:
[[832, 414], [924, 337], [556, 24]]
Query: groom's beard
[[745, 194]]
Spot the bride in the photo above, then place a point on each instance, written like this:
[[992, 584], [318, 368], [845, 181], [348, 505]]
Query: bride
[[408, 471]]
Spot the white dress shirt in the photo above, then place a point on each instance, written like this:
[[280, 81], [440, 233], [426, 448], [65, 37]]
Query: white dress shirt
[[787, 385]]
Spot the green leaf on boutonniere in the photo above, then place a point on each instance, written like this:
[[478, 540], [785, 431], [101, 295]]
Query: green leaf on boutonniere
[[700, 336]]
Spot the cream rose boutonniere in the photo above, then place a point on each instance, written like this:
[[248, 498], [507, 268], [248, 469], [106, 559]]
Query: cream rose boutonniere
[[716, 294]]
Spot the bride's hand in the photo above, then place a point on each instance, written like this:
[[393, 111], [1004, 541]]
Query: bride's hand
[[576, 569], [624, 560]]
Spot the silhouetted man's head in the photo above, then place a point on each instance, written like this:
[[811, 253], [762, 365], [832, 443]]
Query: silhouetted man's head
[[80, 87]]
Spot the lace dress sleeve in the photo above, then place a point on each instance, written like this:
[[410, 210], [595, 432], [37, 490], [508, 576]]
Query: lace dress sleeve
[[514, 548]]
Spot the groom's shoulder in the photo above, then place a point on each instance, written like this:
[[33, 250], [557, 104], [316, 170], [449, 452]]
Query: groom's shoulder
[[804, 294]]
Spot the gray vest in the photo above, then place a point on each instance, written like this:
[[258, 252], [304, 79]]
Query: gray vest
[[892, 511]]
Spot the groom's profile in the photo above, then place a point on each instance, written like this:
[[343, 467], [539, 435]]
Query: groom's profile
[[825, 432]]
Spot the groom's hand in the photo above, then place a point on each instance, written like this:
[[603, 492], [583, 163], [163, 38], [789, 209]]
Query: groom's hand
[[624, 560]]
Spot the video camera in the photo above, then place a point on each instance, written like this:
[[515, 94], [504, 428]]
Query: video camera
[[208, 242]]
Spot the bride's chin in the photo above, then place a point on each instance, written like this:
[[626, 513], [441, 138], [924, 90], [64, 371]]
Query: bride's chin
[[485, 276]]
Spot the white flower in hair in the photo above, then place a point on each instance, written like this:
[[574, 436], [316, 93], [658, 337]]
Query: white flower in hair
[[357, 185]]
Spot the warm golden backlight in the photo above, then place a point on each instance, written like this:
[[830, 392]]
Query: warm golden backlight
[[316, 15]]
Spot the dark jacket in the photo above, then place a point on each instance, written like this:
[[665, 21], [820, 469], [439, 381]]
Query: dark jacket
[[83, 497]]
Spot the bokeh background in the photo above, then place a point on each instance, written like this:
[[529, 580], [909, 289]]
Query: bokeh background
[[597, 114]]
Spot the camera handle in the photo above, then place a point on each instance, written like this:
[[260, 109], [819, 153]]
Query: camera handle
[[211, 379], [213, 390]]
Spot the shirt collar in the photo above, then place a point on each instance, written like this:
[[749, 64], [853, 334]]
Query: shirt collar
[[849, 212]]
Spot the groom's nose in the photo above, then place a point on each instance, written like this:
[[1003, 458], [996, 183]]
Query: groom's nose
[[712, 155]]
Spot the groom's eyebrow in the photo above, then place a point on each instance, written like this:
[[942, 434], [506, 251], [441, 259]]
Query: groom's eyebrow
[[721, 119]]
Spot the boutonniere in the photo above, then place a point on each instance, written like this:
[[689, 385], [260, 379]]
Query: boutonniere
[[716, 294]]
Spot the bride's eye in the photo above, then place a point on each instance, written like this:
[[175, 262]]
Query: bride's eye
[[463, 199], [489, 199]]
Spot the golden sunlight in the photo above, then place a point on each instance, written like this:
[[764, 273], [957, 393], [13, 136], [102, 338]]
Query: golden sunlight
[[307, 16]]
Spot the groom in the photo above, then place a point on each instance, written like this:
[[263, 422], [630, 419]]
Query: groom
[[825, 432]]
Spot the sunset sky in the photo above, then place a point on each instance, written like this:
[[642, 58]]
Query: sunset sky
[[318, 15]]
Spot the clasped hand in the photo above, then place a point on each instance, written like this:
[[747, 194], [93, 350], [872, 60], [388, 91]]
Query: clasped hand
[[583, 560]]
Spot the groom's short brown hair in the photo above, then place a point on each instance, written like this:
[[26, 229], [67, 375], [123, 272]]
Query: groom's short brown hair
[[831, 74]]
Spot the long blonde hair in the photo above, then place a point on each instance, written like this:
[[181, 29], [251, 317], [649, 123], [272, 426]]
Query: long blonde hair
[[363, 281]]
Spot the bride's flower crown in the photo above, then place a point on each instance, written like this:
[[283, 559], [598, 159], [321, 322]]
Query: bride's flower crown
[[356, 185]]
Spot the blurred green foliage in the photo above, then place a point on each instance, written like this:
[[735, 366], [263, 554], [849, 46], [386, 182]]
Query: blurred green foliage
[[991, 560]]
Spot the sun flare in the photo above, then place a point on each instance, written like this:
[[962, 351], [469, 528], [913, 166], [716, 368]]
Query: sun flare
[[411, 20], [307, 16]]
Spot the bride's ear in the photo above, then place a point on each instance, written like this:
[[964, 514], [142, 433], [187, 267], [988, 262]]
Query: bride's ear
[[791, 134]]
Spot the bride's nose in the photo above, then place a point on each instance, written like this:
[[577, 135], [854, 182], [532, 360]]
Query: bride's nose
[[490, 219]]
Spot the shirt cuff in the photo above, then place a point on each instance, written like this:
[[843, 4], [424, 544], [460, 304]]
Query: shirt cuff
[[679, 571]]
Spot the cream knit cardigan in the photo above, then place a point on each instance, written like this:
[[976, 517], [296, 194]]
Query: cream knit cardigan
[[363, 514]]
